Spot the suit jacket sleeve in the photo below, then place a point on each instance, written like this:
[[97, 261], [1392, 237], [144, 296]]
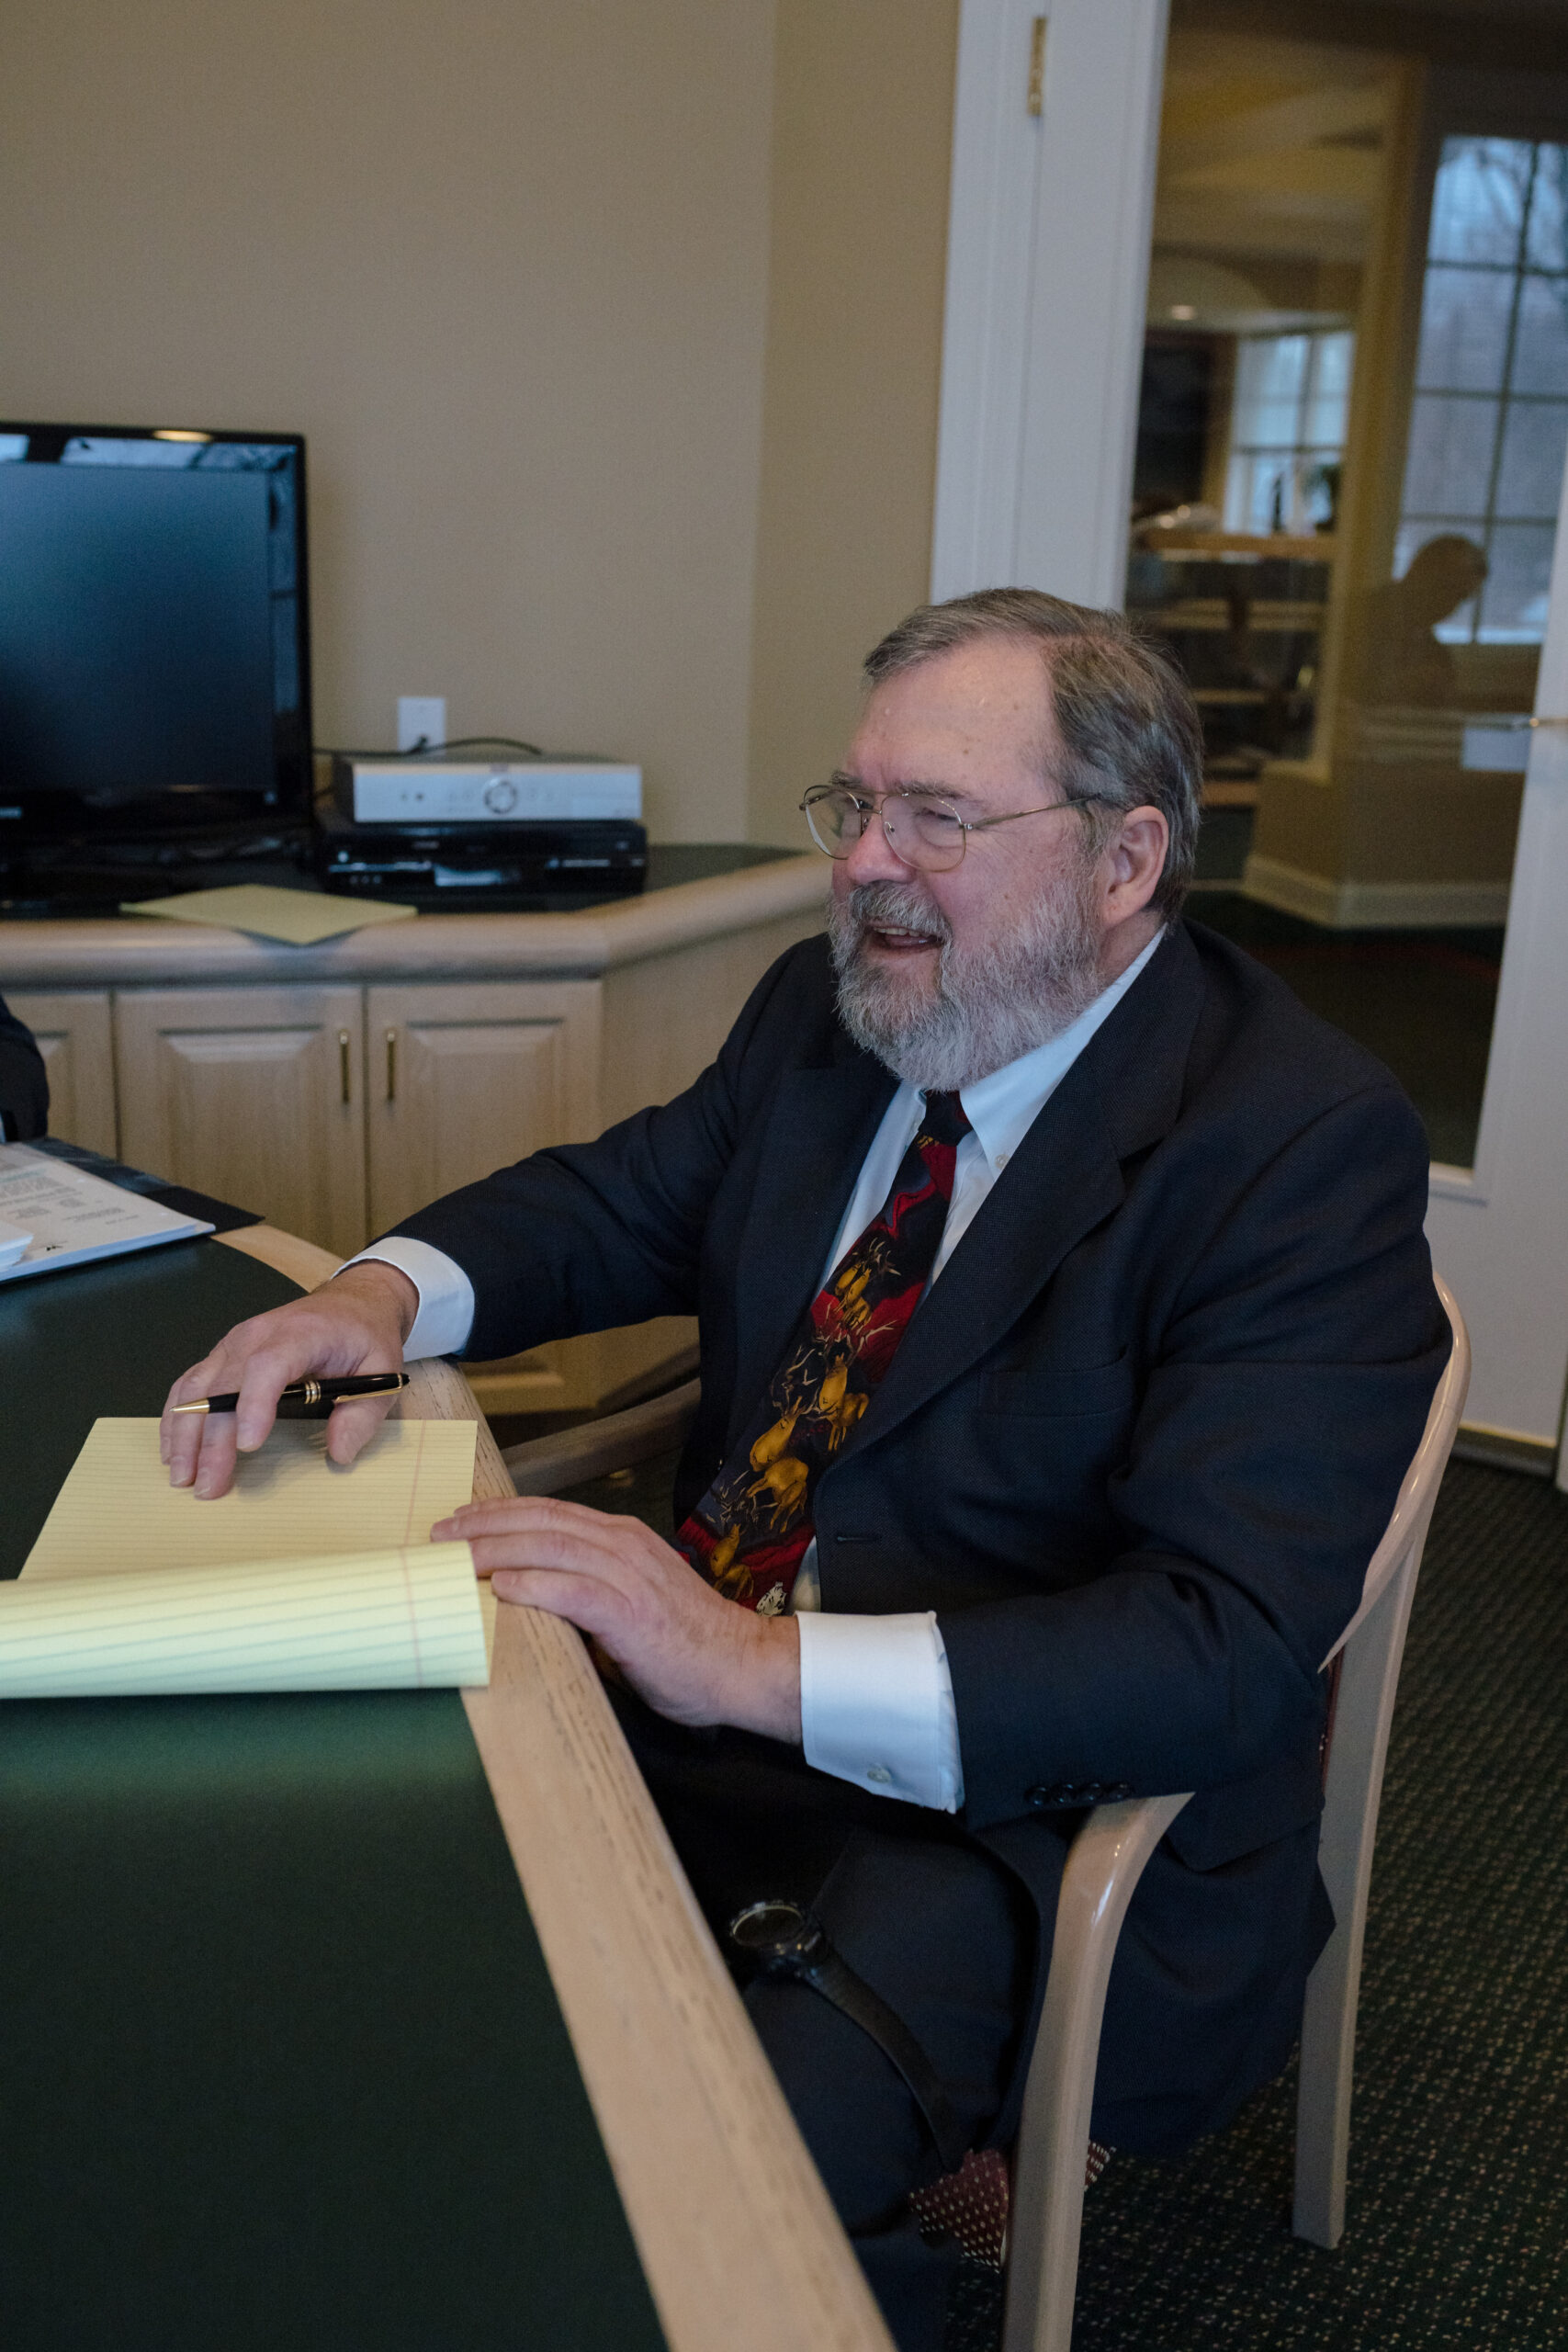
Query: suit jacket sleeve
[[24, 1087]]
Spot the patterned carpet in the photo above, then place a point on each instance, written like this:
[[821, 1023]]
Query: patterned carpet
[[1457, 2226]]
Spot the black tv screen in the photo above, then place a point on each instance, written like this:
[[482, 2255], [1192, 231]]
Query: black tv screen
[[154, 658]]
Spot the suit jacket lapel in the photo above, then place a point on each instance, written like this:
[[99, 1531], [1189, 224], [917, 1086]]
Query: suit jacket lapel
[[818, 1132], [1062, 1180], [1122, 1094]]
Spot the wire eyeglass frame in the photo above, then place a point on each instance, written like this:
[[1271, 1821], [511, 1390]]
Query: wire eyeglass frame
[[929, 856]]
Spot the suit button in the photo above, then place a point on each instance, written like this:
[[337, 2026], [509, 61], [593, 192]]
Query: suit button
[[1066, 1796], [1060, 1794]]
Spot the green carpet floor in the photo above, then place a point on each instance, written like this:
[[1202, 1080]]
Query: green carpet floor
[[1458, 2210]]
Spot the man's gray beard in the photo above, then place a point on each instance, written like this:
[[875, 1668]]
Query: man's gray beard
[[992, 1003]]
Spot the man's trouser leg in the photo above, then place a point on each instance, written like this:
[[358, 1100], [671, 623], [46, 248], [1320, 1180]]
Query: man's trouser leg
[[942, 1932]]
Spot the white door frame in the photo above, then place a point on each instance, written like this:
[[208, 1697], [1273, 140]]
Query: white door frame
[[1499, 1230], [1047, 274], [1048, 255]]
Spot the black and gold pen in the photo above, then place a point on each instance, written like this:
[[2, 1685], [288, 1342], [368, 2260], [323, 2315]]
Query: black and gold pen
[[309, 1400]]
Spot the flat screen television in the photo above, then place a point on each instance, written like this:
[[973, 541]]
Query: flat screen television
[[155, 635]]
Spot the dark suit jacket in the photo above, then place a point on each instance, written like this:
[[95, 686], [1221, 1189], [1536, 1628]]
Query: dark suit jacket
[[1136, 1448], [24, 1087]]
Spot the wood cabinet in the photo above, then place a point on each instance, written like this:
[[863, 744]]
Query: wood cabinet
[[467, 1076], [254, 1094], [72, 1030]]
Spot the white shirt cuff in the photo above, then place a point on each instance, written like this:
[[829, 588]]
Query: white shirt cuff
[[876, 1706], [446, 1314]]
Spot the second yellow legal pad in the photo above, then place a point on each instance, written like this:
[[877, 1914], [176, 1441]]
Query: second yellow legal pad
[[299, 918], [306, 1576]]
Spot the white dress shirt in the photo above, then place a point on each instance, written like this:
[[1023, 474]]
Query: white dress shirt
[[876, 1702]]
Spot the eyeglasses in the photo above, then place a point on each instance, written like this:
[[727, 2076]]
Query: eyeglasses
[[923, 831]]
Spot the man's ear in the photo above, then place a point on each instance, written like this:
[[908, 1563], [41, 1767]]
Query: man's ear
[[1133, 863]]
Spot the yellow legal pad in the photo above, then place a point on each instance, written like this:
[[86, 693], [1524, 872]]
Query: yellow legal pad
[[307, 1576], [299, 918]]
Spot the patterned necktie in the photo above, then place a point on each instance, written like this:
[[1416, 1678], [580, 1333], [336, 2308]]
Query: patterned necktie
[[752, 1527]]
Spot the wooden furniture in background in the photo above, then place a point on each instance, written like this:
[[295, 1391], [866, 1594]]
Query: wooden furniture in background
[[336, 1088], [252, 1094]]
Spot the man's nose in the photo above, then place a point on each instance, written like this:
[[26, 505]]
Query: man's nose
[[873, 858]]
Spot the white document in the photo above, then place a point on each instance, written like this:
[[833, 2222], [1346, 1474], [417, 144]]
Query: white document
[[73, 1216], [307, 1576]]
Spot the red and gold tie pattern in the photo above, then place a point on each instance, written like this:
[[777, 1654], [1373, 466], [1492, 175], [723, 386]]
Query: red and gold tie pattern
[[752, 1527]]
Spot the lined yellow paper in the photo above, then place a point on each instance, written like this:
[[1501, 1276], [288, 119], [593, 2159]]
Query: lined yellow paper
[[404, 1620], [306, 1576], [300, 917], [117, 1513]]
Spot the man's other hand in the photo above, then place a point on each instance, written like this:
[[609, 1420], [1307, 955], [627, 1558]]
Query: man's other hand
[[356, 1322], [692, 1655]]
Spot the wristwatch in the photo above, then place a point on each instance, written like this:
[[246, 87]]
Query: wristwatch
[[785, 1940]]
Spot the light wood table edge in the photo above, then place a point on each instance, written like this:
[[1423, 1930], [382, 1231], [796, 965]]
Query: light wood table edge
[[736, 2236]]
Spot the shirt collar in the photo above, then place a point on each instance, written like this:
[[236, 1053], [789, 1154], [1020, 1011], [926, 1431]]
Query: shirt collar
[[1002, 1108]]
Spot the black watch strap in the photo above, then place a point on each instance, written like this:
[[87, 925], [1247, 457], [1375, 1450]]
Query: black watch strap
[[836, 1981]]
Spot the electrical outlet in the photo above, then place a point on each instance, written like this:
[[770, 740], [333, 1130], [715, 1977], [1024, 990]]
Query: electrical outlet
[[421, 718]]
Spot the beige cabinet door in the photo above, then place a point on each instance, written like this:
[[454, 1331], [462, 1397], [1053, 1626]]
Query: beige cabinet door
[[255, 1095], [465, 1077], [72, 1027]]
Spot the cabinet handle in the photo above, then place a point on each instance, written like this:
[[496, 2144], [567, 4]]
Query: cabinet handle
[[342, 1060], [392, 1065]]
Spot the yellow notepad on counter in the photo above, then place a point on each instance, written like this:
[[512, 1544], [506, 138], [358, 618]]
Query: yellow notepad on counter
[[299, 918], [308, 1576]]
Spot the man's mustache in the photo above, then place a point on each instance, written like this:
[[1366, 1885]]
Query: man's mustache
[[894, 905]]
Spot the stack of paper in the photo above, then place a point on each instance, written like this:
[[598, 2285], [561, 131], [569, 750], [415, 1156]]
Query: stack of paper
[[64, 1216]]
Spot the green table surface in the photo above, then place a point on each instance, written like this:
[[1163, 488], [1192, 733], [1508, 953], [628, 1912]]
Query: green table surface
[[280, 2061]]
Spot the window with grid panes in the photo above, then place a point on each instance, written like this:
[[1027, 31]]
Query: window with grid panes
[[1489, 422], [1287, 429]]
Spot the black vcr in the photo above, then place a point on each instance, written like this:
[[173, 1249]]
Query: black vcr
[[467, 865]]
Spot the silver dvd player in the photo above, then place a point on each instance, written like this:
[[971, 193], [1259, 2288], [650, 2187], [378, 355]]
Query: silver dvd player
[[485, 792]]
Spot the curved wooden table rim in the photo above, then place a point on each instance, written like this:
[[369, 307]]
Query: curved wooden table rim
[[737, 2240]]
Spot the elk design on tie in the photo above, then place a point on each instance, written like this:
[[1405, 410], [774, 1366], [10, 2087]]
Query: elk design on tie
[[752, 1527]]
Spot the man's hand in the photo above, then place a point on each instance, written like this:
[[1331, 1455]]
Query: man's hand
[[692, 1655], [356, 1322]]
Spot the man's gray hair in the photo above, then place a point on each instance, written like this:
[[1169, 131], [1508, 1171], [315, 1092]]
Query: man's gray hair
[[1125, 715]]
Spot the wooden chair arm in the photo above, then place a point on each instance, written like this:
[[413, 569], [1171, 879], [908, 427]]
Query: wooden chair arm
[[1102, 1868], [545, 1464]]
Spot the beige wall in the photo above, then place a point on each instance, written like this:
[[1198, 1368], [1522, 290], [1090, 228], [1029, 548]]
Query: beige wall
[[504, 264], [509, 269], [862, 139]]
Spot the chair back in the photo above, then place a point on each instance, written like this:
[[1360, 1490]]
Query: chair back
[[1406, 1533], [1367, 1659], [1102, 1872]]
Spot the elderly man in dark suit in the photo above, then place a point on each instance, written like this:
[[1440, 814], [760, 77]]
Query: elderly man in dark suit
[[1066, 1327]]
